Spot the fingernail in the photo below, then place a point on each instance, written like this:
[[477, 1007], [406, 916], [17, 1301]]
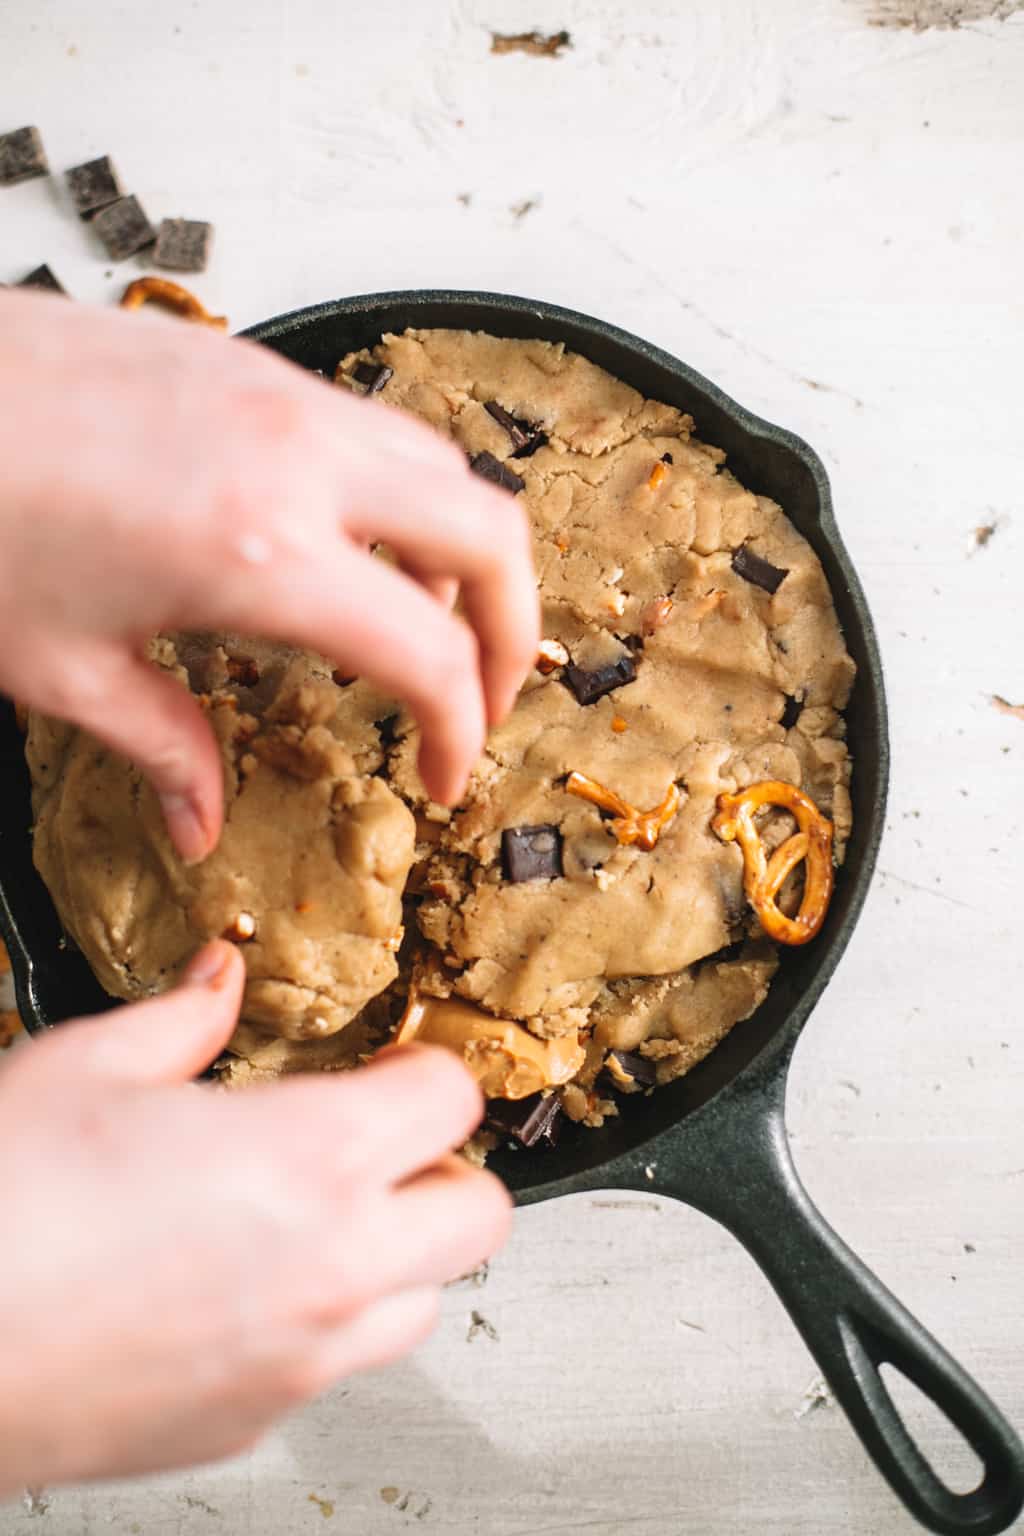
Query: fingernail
[[185, 827], [209, 967]]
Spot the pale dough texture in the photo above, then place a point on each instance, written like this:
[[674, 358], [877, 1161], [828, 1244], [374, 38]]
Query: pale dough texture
[[636, 524]]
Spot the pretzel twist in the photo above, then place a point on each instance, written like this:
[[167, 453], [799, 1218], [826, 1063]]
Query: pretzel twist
[[763, 876], [172, 296], [629, 825]]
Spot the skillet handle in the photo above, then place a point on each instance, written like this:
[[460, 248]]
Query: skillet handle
[[852, 1325]]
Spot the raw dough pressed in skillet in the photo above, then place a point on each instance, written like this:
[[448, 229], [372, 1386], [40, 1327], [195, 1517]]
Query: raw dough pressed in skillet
[[325, 804]]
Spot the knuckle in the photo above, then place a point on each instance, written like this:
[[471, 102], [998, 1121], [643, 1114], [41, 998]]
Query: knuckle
[[270, 413], [298, 1382], [464, 647], [76, 689]]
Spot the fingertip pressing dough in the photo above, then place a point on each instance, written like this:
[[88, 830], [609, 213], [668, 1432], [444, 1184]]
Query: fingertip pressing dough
[[691, 649]]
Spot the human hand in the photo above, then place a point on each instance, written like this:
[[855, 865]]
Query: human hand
[[181, 1265], [155, 475]]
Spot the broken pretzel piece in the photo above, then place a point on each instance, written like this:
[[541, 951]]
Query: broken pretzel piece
[[506, 1060], [172, 296], [629, 825], [551, 654], [763, 876]]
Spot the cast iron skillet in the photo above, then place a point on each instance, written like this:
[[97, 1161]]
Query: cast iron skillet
[[716, 1138]]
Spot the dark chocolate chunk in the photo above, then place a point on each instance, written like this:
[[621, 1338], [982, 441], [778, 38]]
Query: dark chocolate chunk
[[123, 228], [509, 422], [667, 458], [588, 687], [791, 712], [387, 729], [530, 448], [43, 278], [183, 245], [531, 853], [527, 1120], [93, 185], [526, 438], [490, 468], [643, 1072], [761, 573], [22, 156], [373, 375]]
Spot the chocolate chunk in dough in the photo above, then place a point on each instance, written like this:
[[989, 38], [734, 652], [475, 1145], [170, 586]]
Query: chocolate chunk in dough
[[630, 1064], [526, 438], [22, 156], [183, 245], [123, 228], [93, 185], [791, 712], [531, 853], [588, 687], [43, 278], [760, 573], [373, 375], [667, 458], [527, 1120], [490, 468]]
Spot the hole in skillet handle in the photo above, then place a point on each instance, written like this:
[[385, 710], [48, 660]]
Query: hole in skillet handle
[[941, 1443]]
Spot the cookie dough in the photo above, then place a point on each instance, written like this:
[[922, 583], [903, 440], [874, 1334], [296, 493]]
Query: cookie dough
[[309, 871], [673, 669]]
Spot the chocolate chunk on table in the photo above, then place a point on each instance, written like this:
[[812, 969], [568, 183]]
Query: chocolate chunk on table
[[22, 156], [791, 712], [490, 468], [526, 437], [123, 228], [373, 375], [43, 278], [527, 1120], [588, 687], [631, 1065], [760, 573], [93, 185], [531, 853], [183, 245]]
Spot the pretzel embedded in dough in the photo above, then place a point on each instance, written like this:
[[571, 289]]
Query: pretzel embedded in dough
[[629, 825], [763, 876], [172, 296]]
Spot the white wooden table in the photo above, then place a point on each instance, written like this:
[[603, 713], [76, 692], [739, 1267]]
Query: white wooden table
[[825, 216]]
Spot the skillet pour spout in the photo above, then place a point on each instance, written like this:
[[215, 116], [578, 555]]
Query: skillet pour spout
[[716, 1138]]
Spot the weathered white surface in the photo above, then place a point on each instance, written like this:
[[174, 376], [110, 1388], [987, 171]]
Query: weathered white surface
[[826, 217]]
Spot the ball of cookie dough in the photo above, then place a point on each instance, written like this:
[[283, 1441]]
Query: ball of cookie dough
[[307, 877]]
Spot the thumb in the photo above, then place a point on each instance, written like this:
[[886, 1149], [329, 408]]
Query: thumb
[[147, 716], [169, 1039]]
